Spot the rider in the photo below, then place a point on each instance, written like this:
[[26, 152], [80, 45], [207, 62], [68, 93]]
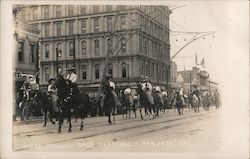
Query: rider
[[147, 87], [52, 92], [71, 80], [26, 87], [109, 86]]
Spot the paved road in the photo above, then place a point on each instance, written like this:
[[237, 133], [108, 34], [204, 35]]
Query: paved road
[[191, 132]]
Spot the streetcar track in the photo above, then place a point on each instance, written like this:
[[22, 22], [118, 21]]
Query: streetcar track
[[121, 129], [93, 123]]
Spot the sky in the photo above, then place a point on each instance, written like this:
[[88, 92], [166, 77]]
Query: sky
[[198, 16]]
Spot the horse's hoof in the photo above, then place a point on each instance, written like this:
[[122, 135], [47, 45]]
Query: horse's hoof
[[44, 125], [59, 131], [69, 130], [53, 122]]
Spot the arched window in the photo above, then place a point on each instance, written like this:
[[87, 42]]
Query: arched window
[[123, 45], [84, 47], [109, 46], [59, 49], [47, 74], [124, 70], [71, 49], [97, 71], [110, 69], [145, 47], [97, 47], [84, 72], [47, 51], [147, 70]]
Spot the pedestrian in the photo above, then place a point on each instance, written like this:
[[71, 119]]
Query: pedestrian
[[52, 91]]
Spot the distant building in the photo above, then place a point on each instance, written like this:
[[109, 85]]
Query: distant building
[[173, 75], [26, 39], [86, 31], [194, 77]]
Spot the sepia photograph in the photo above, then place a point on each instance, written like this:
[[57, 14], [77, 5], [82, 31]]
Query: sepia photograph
[[124, 79]]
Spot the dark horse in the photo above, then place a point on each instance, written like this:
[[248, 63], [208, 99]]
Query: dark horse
[[128, 102], [67, 102], [158, 103], [144, 101], [109, 101], [45, 101]]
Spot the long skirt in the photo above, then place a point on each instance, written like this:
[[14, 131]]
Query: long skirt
[[150, 97]]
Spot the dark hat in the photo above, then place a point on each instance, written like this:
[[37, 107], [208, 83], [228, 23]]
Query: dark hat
[[108, 76], [50, 80], [145, 79], [71, 68]]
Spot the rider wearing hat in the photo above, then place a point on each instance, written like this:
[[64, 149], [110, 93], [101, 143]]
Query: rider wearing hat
[[71, 77], [52, 92], [109, 86]]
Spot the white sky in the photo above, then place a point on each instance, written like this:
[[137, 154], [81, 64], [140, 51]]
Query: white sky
[[228, 19]]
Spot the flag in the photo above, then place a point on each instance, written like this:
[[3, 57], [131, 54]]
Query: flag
[[196, 59], [203, 62]]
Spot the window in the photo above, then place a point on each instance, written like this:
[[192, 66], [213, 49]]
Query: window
[[109, 24], [84, 47], [32, 53], [123, 45], [46, 30], [142, 68], [97, 71], [110, 69], [96, 25], [20, 51], [95, 9], [70, 10], [46, 12], [47, 74], [58, 29], [124, 70], [123, 22], [121, 7], [97, 47], [59, 49], [145, 47], [71, 49], [47, 51], [109, 8], [147, 70], [83, 26], [58, 11], [23, 15], [71, 27], [35, 13], [83, 10], [109, 46], [84, 72]]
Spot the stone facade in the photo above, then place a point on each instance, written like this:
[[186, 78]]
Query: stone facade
[[137, 36]]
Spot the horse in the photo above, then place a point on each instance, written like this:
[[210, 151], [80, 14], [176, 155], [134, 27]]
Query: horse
[[158, 102], [206, 102], [179, 103], [144, 102], [195, 103], [109, 106], [45, 101], [128, 102], [67, 102]]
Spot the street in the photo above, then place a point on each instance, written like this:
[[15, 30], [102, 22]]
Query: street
[[191, 132]]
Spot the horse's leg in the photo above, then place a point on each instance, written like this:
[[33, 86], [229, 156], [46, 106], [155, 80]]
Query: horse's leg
[[109, 120], [69, 120], [45, 118], [141, 112], [114, 115], [59, 122], [81, 126]]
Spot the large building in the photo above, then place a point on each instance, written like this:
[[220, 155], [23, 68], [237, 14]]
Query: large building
[[26, 39], [137, 36]]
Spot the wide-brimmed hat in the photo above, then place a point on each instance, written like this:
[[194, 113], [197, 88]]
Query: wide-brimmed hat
[[50, 80], [145, 79], [71, 68], [108, 76]]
